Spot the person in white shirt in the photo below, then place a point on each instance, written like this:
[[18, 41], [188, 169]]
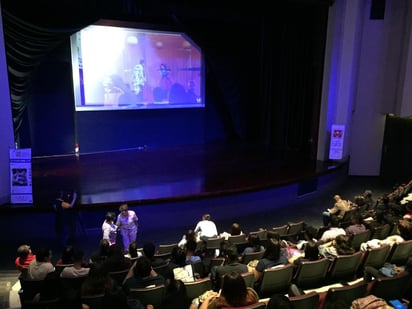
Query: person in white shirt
[[206, 228], [333, 231], [109, 229]]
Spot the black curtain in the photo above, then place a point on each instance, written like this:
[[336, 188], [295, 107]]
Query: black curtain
[[264, 64]]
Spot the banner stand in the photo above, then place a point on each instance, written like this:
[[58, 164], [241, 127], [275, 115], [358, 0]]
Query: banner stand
[[21, 176]]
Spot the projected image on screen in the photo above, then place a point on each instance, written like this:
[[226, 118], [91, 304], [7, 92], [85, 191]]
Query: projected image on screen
[[129, 68]]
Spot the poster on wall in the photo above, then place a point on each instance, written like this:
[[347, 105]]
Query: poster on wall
[[21, 176], [336, 142]]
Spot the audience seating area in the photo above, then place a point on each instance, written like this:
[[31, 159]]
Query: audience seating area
[[322, 281]]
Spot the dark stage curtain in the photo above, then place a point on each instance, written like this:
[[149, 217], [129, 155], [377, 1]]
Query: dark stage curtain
[[264, 65]]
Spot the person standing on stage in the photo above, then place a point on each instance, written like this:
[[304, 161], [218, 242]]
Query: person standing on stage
[[65, 223], [109, 229], [127, 222]]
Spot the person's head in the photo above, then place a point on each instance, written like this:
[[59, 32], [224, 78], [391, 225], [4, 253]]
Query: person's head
[[190, 235], [272, 251], [405, 229], [337, 198], [123, 209], [279, 301], [104, 246], [43, 255], [133, 249], [78, 255], [311, 251], [115, 250], [273, 235], [178, 256], [191, 246], [343, 245], [235, 230], [110, 216], [23, 251], [231, 253], [149, 250], [234, 288], [254, 241], [206, 217], [67, 255], [356, 217], [143, 267]]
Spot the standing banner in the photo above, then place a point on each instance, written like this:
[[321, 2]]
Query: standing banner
[[20, 176], [336, 142]]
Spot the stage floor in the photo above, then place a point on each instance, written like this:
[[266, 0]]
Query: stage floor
[[180, 173]]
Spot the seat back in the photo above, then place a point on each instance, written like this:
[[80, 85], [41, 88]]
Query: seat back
[[214, 243], [161, 269], [276, 280], [237, 239], [29, 288], [262, 234], [311, 274], [305, 301], [381, 232], [400, 252], [282, 230], [347, 293], [344, 267], [390, 288], [247, 257], [375, 257], [196, 288], [361, 237], [258, 305], [119, 275], [149, 295], [165, 251], [249, 279], [295, 230], [93, 301]]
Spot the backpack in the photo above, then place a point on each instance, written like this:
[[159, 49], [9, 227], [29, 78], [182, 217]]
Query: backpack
[[369, 302]]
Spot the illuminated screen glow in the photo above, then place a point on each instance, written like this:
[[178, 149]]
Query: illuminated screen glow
[[129, 68]]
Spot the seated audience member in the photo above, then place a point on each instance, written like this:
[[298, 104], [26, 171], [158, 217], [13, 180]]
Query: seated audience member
[[333, 231], [101, 254], [191, 256], [77, 270], [66, 257], [356, 224], [387, 270], [234, 230], [24, 257], [254, 245], [182, 271], [116, 260], [141, 275], [132, 254], [234, 293], [189, 235], [405, 233], [271, 257], [98, 281], [310, 253], [276, 235], [231, 264], [279, 301], [341, 245], [309, 234], [149, 250], [175, 296], [41, 266], [338, 210], [206, 228]]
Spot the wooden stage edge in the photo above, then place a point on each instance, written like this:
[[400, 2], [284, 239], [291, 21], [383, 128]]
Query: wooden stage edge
[[151, 176]]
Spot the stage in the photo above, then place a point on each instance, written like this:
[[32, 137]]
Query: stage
[[144, 175]]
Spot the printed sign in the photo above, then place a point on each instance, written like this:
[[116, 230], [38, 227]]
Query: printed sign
[[20, 176], [336, 142]]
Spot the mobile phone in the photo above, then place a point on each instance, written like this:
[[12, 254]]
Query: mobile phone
[[397, 304]]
